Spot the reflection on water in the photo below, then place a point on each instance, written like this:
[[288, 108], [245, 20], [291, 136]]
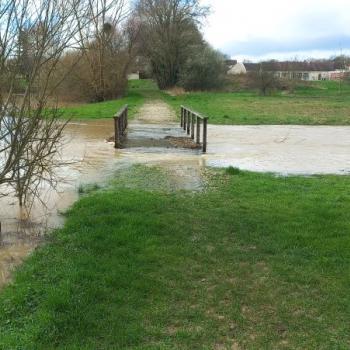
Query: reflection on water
[[85, 153], [90, 158]]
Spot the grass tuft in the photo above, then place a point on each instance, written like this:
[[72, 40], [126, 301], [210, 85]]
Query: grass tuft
[[232, 171], [88, 188]]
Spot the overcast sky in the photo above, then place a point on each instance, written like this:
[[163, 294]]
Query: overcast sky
[[281, 29]]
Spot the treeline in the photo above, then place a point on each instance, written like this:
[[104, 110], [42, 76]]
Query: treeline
[[83, 50], [93, 50], [174, 46], [110, 40]]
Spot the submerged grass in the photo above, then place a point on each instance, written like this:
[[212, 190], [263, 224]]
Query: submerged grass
[[88, 188], [255, 261]]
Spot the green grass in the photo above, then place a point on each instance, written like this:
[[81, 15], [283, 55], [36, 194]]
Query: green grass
[[318, 103], [137, 90], [254, 262], [325, 88]]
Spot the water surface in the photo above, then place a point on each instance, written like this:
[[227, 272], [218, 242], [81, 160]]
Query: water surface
[[91, 159]]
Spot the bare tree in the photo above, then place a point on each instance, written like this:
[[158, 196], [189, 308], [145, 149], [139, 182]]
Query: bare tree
[[30, 131], [106, 48], [264, 80], [169, 34]]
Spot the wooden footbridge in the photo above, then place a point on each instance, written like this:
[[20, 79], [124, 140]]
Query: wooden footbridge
[[191, 122]]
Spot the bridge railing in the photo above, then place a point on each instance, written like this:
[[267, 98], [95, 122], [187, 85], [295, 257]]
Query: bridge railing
[[120, 125], [191, 122]]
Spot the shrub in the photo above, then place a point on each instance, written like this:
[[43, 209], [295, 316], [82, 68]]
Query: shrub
[[81, 83], [232, 171], [264, 81], [205, 70]]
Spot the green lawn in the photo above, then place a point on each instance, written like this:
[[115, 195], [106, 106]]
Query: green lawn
[[319, 103], [253, 262], [135, 97]]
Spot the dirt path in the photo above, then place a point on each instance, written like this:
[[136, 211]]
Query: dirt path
[[155, 112], [147, 143]]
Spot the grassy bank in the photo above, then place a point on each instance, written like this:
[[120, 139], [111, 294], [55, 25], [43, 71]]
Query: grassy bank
[[135, 97], [319, 103], [255, 261]]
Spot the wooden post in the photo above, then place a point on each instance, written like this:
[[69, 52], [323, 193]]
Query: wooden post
[[192, 125], [205, 125], [188, 122], [116, 133], [120, 125], [198, 134], [185, 119], [182, 117]]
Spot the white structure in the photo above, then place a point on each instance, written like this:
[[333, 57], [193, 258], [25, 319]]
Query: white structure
[[134, 76], [303, 75], [237, 69], [312, 75]]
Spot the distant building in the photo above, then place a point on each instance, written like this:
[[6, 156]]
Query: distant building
[[237, 69], [311, 75], [230, 63], [307, 71], [134, 76]]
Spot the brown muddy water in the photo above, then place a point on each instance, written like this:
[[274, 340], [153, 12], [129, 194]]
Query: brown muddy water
[[280, 149]]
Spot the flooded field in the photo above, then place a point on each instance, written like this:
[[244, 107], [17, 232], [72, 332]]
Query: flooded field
[[90, 159], [284, 149], [280, 149]]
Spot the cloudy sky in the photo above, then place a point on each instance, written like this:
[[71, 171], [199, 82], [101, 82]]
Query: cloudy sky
[[281, 29]]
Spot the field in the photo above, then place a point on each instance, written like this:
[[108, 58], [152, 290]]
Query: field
[[319, 103], [135, 97], [253, 262]]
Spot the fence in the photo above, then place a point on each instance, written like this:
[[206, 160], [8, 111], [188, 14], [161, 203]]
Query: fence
[[120, 124], [191, 122]]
